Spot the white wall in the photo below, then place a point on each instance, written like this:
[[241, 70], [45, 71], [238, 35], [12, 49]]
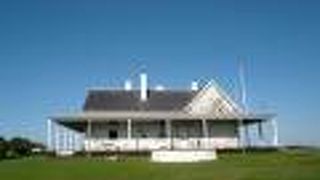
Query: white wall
[[222, 129]]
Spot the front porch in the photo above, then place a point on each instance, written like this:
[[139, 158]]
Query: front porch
[[100, 133]]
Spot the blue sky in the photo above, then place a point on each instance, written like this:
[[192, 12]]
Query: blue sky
[[52, 51]]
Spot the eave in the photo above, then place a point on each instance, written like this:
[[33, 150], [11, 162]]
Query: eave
[[100, 116]]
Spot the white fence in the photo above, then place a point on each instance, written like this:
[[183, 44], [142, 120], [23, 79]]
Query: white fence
[[146, 144]]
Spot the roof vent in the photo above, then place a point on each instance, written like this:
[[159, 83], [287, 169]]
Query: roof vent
[[127, 85], [194, 86]]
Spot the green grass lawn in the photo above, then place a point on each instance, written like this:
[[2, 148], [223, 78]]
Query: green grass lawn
[[272, 165]]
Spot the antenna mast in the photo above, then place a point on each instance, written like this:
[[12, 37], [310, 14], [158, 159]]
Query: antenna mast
[[243, 88], [243, 93]]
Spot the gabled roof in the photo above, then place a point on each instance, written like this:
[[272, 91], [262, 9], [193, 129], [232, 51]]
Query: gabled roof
[[122, 100], [211, 99]]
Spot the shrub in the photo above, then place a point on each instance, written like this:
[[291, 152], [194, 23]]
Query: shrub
[[20, 147], [3, 148]]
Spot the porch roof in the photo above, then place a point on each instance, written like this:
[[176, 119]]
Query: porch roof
[[100, 116]]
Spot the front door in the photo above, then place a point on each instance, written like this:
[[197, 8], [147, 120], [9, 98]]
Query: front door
[[113, 134]]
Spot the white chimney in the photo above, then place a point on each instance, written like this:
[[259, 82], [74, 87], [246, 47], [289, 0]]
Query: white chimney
[[194, 86], [127, 85], [143, 86]]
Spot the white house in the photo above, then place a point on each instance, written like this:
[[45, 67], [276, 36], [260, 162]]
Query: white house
[[146, 119]]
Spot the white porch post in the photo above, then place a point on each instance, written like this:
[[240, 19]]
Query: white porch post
[[57, 137], [247, 135], [241, 133], [65, 138], [169, 133], [260, 133], [77, 141], [89, 135], [205, 132], [275, 133], [129, 129], [70, 140], [204, 128], [49, 134]]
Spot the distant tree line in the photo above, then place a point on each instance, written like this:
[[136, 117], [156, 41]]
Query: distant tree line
[[18, 147]]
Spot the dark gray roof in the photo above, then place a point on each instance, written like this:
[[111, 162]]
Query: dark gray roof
[[121, 100]]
